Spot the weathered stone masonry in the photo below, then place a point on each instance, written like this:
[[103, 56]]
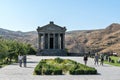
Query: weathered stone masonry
[[51, 40]]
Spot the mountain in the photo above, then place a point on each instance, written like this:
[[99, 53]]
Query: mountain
[[80, 41], [102, 41], [26, 37]]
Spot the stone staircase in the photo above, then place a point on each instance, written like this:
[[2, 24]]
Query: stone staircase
[[52, 52]]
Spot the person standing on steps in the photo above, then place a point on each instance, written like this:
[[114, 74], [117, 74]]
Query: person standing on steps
[[85, 58]]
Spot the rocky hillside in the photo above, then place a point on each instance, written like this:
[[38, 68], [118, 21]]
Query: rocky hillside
[[82, 41], [102, 41], [26, 37]]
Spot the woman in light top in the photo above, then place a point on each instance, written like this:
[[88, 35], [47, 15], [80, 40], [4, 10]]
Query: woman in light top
[[20, 57]]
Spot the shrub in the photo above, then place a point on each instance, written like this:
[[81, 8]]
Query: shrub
[[57, 72], [76, 72], [72, 72], [47, 72], [94, 71], [59, 66], [58, 60], [38, 70], [79, 71], [112, 61], [91, 71], [82, 69]]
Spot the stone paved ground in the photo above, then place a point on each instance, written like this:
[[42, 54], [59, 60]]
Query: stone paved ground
[[14, 72]]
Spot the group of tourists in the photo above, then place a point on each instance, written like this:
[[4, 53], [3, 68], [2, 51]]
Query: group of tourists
[[96, 59], [22, 59]]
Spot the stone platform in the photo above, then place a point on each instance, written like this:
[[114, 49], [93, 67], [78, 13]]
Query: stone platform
[[52, 52]]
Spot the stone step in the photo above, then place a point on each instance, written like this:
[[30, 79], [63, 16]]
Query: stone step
[[52, 52]]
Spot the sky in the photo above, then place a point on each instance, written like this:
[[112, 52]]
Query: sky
[[27, 15]]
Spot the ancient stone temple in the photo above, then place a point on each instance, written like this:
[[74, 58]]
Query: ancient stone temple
[[51, 40]]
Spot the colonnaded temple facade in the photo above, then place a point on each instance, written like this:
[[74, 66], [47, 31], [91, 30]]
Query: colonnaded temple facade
[[51, 40]]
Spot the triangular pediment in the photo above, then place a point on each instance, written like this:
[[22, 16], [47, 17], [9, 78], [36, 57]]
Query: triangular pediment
[[51, 27]]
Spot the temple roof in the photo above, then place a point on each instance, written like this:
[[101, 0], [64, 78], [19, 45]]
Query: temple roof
[[51, 27]]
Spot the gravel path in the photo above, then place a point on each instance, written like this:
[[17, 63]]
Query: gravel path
[[14, 72]]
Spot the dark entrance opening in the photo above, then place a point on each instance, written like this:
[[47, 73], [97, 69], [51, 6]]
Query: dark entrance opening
[[51, 43]]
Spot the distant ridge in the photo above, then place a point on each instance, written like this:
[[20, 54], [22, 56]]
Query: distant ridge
[[113, 27]]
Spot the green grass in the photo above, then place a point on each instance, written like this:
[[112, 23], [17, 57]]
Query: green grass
[[115, 58], [114, 64]]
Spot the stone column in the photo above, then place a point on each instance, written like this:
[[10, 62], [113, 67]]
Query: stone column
[[56, 41], [59, 41], [63, 40], [39, 38], [48, 41], [53, 40], [43, 40]]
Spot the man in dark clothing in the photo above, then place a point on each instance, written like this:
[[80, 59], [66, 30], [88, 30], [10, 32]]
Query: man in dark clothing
[[85, 59], [24, 60], [101, 60]]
